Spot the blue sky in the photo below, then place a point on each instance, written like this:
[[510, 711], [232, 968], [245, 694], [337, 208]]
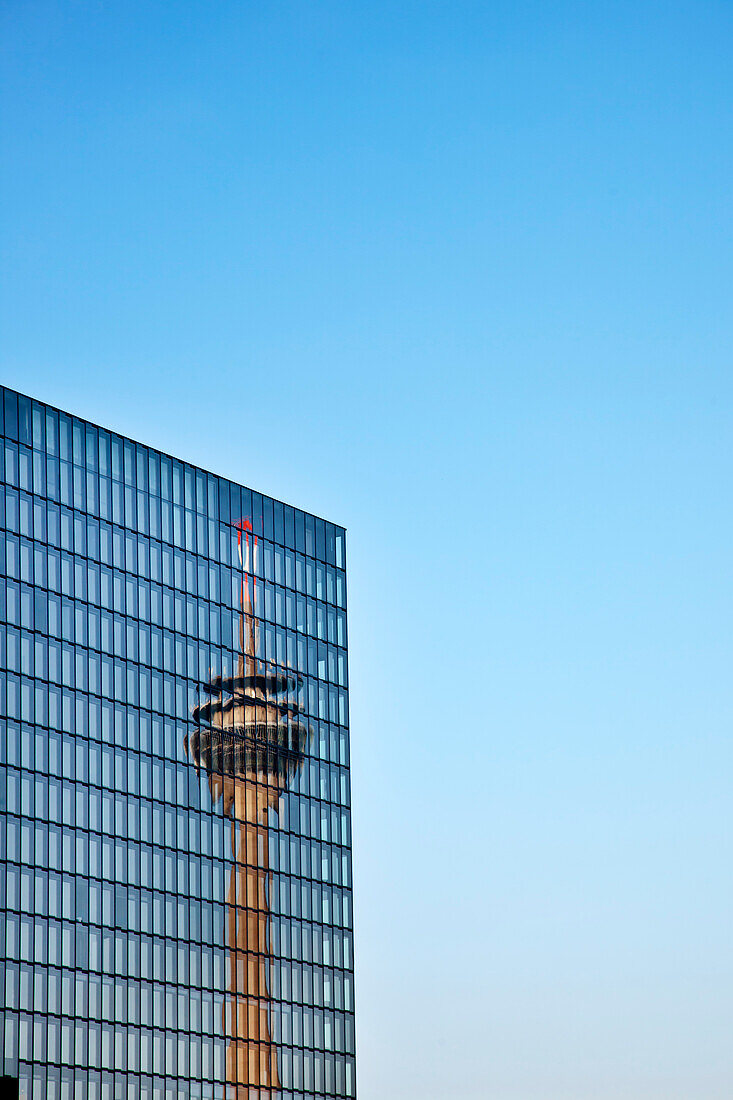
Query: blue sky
[[458, 276]]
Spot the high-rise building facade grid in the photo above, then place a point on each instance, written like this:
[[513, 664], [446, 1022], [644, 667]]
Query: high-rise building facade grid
[[174, 796]]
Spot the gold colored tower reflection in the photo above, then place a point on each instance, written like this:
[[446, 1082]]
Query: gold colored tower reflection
[[250, 740]]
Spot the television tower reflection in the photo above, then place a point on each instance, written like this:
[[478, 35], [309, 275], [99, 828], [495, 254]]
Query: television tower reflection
[[250, 739]]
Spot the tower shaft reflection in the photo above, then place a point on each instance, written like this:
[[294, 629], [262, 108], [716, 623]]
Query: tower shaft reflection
[[250, 740], [251, 1060]]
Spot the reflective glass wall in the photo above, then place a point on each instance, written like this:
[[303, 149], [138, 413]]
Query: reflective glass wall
[[174, 798]]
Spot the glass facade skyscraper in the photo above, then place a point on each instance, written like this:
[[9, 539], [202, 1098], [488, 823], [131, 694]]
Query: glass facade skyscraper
[[174, 796]]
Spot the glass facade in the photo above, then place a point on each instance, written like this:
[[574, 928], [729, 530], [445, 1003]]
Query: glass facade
[[175, 880]]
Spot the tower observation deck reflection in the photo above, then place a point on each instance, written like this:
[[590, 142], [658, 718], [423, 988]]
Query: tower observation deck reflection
[[250, 738]]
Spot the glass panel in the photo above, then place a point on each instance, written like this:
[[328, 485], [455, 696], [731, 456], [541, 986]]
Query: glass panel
[[175, 825]]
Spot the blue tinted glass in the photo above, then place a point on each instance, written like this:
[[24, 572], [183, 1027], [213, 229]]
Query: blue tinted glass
[[175, 798]]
